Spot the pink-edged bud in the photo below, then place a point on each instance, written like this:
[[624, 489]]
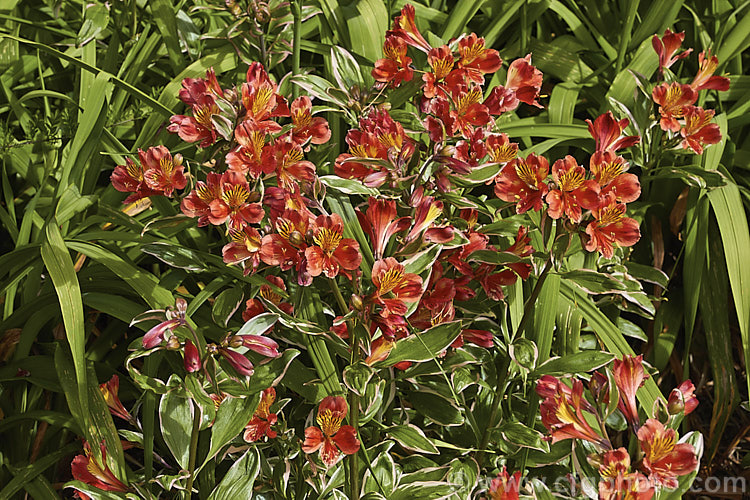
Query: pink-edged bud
[[192, 357], [155, 336], [262, 345], [682, 399], [240, 363]]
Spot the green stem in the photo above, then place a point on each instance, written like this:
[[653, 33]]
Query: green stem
[[297, 38], [193, 447]]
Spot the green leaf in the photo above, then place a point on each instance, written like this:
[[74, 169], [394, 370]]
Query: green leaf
[[435, 407], [412, 438], [95, 19], [521, 435], [179, 257], [423, 346], [424, 490], [357, 376], [232, 416], [240, 478], [226, 304], [176, 418], [580, 362], [381, 477], [27, 473], [347, 186]]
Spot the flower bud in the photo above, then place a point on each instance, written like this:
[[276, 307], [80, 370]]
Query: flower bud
[[682, 399], [173, 343], [192, 357], [296, 238], [235, 341], [357, 302], [447, 150]]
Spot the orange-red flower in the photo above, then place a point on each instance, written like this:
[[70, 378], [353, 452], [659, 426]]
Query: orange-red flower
[[607, 132], [441, 61], [505, 486], [254, 307], [563, 416], [394, 286], [574, 191], [331, 438], [525, 80], [198, 202], [252, 155], [629, 376], [394, 67], [468, 111], [380, 223], [610, 227], [287, 245], [667, 46], [199, 127], [261, 100], [405, 28], [500, 149], [618, 483], [109, 391], [306, 126], [673, 100], [609, 172], [291, 167], [244, 246], [157, 173], [88, 469], [331, 251], [235, 205], [475, 59], [664, 458], [523, 181], [501, 100], [698, 130], [705, 79], [682, 399], [262, 421]]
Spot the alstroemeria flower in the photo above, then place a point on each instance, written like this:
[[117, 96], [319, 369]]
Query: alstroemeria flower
[[405, 28], [493, 282], [262, 421], [163, 172], [665, 458], [394, 286], [563, 416], [441, 61], [261, 100], [667, 46], [574, 191], [549, 387], [198, 202], [331, 251], [279, 200], [331, 438], [475, 59], [175, 316], [698, 130], [682, 399], [109, 390], [525, 80], [394, 67], [306, 126], [291, 166], [251, 157], [380, 348], [673, 100], [286, 247], [607, 132], [236, 205], [254, 307], [617, 482], [500, 149], [629, 376], [380, 223], [610, 227], [468, 111], [501, 100], [244, 246], [129, 178], [87, 469], [199, 127], [609, 172], [427, 212], [523, 182], [705, 79], [505, 486]]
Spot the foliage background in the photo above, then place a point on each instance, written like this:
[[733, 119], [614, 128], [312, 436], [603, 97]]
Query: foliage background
[[84, 83]]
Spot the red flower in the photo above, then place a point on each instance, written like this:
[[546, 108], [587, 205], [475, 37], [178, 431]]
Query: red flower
[[394, 286], [667, 46], [405, 28], [698, 130], [380, 348], [611, 227], [562, 415], [477, 60], [163, 173], [525, 80], [305, 125], [244, 247], [109, 391], [291, 167], [468, 112], [673, 100], [199, 127], [500, 149], [609, 172], [331, 251], [252, 155], [261, 101], [665, 459], [607, 132], [234, 205], [262, 421], [629, 376], [501, 100], [254, 307], [705, 78], [193, 88], [87, 469], [682, 399], [286, 247], [192, 357], [617, 482], [198, 202], [331, 438], [380, 223], [493, 283], [394, 68], [237, 361], [129, 178], [523, 181], [505, 486], [574, 193], [427, 211], [441, 61]]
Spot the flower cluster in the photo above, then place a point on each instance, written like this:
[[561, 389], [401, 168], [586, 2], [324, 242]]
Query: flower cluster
[[156, 173], [568, 414], [679, 117]]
